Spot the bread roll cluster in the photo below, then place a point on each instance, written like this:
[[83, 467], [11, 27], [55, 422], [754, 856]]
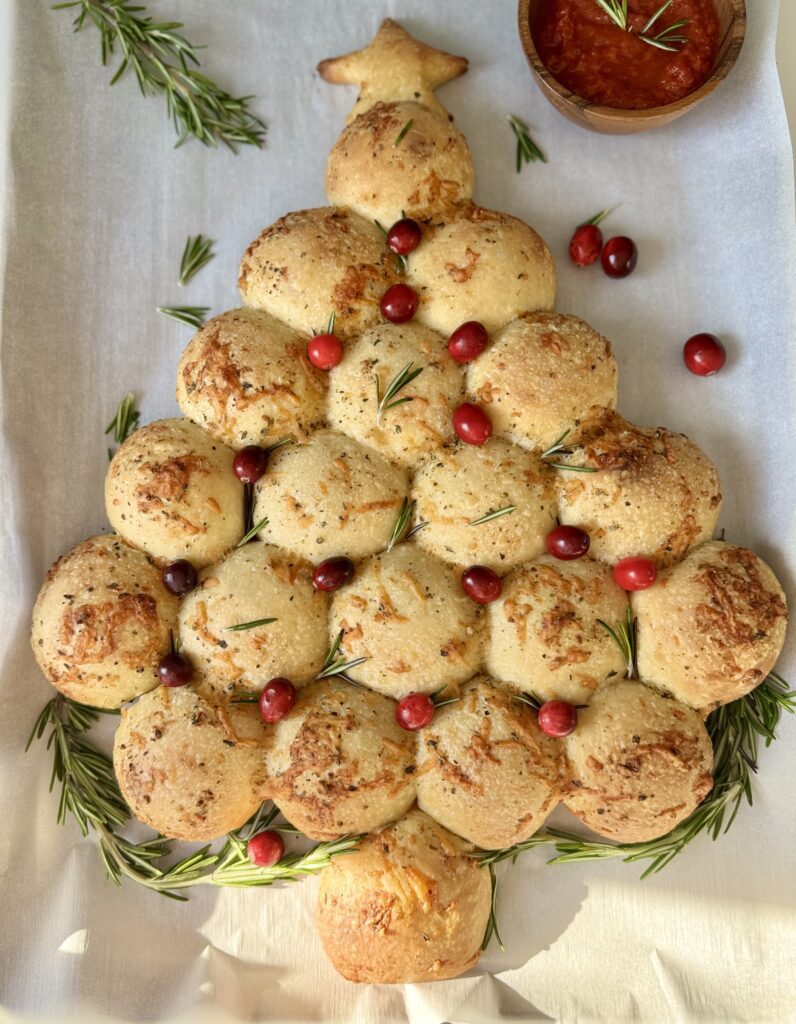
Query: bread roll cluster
[[410, 904]]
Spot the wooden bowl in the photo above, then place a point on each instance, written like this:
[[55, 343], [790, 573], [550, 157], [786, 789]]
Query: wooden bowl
[[732, 19]]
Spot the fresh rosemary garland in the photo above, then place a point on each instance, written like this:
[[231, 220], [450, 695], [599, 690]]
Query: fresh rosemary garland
[[165, 62], [91, 795]]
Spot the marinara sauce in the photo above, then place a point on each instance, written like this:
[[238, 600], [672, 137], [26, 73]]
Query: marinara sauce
[[594, 58]]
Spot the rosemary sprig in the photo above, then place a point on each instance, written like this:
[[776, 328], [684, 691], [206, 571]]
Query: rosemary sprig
[[668, 37], [192, 316], [251, 534], [402, 529], [598, 218], [198, 252], [527, 150], [400, 136], [493, 514], [623, 635], [240, 627], [616, 11], [492, 925], [400, 260], [335, 664], [397, 384], [165, 62], [124, 422], [559, 448]]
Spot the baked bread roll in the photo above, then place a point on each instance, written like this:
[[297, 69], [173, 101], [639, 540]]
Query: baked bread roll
[[409, 905], [545, 636], [246, 379], [640, 763], [485, 770], [339, 762], [406, 432], [180, 769], [101, 623], [313, 263], [170, 490], [540, 375], [480, 261], [331, 496], [426, 173], [654, 493], [406, 612], [712, 627], [255, 582], [463, 483]]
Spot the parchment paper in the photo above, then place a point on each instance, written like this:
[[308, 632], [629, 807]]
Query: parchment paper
[[97, 208]]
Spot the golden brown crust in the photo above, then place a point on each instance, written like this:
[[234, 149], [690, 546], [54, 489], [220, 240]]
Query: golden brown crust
[[712, 627]]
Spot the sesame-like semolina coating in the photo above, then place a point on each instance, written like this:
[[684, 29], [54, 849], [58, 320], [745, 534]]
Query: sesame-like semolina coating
[[179, 768], [485, 770], [257, 581], [331, 496], [410, 905], [407, 432], [246, 379], [102, 622], [425, 174], [640, 763], [540, 375], [170, 490], [480, 264], [462, 483], [652, 493], [339, 762], [544, 634], [712, 627], [406, 613], [315, 263]]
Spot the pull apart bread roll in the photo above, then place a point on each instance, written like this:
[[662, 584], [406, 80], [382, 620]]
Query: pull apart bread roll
[[405, 433], [331, 496], [102, 622], [170, 490], [257, 581], [485, 770], [406, 613], [640, 763], [540, 375], [246, 379], [408, 905], [650, 492], [181, 767], [480, 260], [339, 762], [313, 263], [462, 483], [545, 635], [712, 627]]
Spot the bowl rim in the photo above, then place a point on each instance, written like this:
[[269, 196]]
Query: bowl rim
[[719, 73]]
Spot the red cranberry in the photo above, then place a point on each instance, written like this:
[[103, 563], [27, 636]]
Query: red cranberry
[[557, 718], [250, 463], [277, 698], [333, 573], [635, 573], [399, 303], [704, 355], [324, 351], [468, 341], [567, 542], [481, 584], [404, 236], [471, 423], [586, 245], [175, 670], [414, 711], [619, 256], [266, 849], [179, 577]]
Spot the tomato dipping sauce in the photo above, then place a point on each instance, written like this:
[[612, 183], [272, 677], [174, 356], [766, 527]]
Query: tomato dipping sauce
[[594, 58]]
